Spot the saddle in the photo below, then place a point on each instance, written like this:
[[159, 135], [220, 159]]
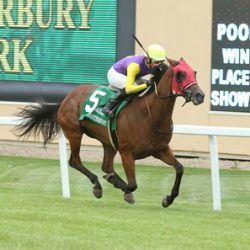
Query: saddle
[[92, 110], [97, 99]]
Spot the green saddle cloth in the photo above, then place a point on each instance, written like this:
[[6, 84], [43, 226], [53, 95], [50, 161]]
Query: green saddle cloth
[[92, 107]]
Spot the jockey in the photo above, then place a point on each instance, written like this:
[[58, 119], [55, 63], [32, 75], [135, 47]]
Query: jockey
[[125, 75]]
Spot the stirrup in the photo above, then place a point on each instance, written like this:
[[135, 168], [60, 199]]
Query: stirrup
[[112, 113], [108, 112]]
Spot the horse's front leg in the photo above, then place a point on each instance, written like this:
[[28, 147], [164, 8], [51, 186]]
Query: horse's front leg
[[168, 157]]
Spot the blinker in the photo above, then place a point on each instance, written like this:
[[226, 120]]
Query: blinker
[[188, 80]]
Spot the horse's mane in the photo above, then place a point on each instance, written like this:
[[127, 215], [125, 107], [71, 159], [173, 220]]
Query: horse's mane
[[158, 72]]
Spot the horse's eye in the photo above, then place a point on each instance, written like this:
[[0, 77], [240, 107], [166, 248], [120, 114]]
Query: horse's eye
[[180, 76]]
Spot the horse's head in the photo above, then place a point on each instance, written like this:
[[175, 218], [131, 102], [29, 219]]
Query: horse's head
[[184, 82]]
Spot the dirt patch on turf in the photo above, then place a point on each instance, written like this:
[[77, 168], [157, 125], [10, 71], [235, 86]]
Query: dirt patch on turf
[[95, 154]]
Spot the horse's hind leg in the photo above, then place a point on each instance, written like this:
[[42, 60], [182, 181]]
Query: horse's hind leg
[[108, 167], [168, 157], [75, 162], [112, 176], [128, 163]]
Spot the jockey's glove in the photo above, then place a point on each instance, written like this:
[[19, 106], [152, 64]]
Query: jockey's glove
[[149, 82]]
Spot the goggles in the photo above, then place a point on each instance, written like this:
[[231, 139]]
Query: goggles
[[157, 62]]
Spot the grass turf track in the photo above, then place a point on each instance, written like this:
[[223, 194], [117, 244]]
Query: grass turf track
[[33, 214]]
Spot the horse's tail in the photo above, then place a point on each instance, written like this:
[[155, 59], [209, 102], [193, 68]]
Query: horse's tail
[[39, 119]]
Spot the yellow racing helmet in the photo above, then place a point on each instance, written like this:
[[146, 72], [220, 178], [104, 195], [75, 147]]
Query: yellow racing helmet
[[156, 52]]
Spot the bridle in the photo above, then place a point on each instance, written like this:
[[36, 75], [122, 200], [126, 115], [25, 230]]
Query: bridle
[[184, 93], [175, 89], [164, 96]]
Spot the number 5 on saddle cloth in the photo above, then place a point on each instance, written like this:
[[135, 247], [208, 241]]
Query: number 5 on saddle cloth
[[92, 110]]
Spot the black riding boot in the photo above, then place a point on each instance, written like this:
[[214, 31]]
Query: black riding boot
[[110, 107]]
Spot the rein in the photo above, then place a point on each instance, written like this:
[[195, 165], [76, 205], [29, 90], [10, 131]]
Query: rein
[[183, 92], [164, 96], [157, 93]]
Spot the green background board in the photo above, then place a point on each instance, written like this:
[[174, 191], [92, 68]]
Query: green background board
[[66, 55]]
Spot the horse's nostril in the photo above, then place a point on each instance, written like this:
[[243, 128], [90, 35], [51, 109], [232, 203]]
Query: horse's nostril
[[199, 97]]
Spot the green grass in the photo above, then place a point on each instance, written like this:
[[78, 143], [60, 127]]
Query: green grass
[[33, 214]]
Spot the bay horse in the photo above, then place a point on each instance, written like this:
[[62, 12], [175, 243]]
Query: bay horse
[[144, 127]]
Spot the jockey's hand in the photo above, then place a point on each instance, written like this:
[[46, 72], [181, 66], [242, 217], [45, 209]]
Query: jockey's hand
[[149, 82]]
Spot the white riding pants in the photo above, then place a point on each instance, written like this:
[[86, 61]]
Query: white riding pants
[[116, 80]]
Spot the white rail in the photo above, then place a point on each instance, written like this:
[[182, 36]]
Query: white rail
[[209, 131], [10, 120], [212, 132]]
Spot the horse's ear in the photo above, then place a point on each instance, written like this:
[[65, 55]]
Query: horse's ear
[[182, 59], [172, 62]]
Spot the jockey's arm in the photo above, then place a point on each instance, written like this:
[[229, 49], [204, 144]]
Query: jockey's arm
[[132, 71]]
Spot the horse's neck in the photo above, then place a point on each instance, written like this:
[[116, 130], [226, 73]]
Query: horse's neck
[[162, 108], [164, 87], [162, 111]]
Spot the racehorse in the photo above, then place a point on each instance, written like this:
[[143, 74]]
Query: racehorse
[[144, 127]]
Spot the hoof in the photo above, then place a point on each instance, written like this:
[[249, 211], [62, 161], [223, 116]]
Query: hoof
[[166, 202], [129, 198], [97, 192]]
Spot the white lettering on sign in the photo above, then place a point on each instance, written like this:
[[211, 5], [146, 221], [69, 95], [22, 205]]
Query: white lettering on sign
[[230, 75], [230, 99], [232, 32], [24, 13], [235, 56], [18, 53]]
